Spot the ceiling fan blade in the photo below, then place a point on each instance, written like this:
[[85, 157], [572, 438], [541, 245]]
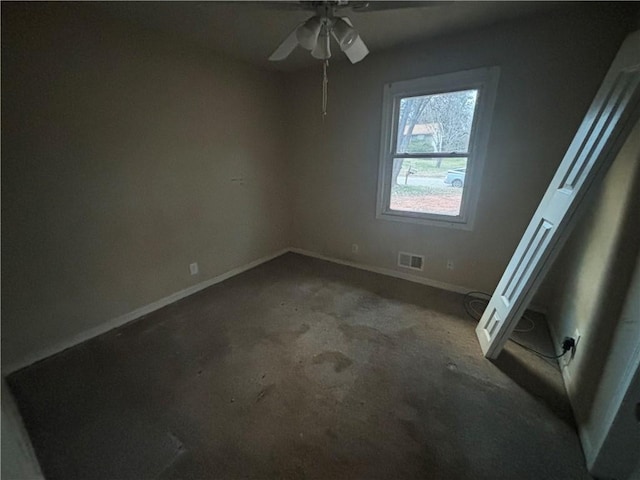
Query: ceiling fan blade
[[286, 47], [357, 50], [376, 6], [288, 5]]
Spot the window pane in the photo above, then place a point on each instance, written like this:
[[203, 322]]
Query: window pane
[[436, 123], [430, 185]]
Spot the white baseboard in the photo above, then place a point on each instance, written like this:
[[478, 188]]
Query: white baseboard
[[591, 445], [405, 276], [565, 371], [133, 315], [387, 271], [145, 310]]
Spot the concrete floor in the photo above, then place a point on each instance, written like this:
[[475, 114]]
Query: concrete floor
[[300, 369]]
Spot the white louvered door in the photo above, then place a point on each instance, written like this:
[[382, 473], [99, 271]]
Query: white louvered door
[[613, 112]]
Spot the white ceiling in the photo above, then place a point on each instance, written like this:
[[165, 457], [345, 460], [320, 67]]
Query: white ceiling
[[250, 31]]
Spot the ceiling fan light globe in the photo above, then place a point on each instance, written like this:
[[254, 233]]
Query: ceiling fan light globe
[[322, 50], [307, 33], [344, 34]]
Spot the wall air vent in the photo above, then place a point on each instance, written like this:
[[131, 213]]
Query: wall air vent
[[410, 260]]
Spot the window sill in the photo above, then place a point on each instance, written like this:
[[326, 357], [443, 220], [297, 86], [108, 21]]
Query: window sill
[[422, 219]]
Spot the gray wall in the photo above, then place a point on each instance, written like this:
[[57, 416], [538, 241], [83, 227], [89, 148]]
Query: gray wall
[[617, 445], [594, 290], [551, 68], [118, 150]]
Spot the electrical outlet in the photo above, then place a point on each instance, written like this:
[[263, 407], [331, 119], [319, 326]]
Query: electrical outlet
[[576, 337], [355, 249], [193, 268], [566, 360], [449, 264]]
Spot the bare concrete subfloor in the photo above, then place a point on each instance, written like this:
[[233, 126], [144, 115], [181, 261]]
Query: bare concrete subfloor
[[300, 369]]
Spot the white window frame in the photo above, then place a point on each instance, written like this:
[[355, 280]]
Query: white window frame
[[485, 80]]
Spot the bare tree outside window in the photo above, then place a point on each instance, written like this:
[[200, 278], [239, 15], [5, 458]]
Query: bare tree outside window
[[447, 117]]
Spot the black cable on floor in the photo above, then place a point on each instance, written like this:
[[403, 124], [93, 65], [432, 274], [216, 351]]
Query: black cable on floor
[[471, 297], [538, 353], [482, 297]]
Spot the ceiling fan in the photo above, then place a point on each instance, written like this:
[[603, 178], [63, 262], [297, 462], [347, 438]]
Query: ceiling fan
[[315, 33]]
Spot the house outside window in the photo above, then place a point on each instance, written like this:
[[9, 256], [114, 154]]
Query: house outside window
[[434, 138]]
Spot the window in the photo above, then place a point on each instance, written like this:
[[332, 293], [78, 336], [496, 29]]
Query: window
[[434, 137]]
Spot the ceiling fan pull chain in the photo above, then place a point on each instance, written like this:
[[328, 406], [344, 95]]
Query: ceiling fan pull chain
[[325, 83]]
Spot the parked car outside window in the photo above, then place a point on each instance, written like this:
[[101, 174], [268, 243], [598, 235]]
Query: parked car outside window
[[455, 177]]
